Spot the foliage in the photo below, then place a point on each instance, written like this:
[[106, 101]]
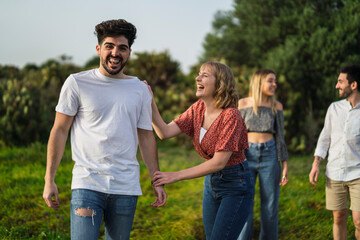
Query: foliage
[[26, 215], [157, 68], [27, 100], [28, 96], [304, 41], [18, 116], [171, 90], [92, 62]]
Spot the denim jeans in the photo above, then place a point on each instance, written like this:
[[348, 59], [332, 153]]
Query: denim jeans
[[118, 212], [226, 202], [263, 161]]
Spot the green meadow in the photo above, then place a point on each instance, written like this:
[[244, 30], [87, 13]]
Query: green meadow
[[24, 214]]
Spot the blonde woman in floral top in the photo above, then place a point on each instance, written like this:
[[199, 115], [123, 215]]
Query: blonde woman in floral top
[[219, 136]]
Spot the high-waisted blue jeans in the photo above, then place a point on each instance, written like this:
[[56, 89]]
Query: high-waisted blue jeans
[[228, 195], [263, 161], [118, 212]]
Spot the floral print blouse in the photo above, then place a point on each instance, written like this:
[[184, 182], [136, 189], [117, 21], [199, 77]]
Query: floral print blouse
[[227, 133]]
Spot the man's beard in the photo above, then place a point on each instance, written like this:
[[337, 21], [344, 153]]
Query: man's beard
[[346, 92], [109, 70]]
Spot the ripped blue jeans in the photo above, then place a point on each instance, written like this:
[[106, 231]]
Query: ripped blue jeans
[[88, 208]]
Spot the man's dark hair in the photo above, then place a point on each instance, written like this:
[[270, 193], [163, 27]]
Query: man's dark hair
[[115, 28], [353, 74]]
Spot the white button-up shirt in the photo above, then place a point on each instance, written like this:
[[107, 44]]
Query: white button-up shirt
[[341, 137]]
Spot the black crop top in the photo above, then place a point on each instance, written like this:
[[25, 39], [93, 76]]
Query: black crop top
[[267, 122]]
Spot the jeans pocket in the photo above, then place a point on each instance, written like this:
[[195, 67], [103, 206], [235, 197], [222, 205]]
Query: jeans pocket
[[234, 182]]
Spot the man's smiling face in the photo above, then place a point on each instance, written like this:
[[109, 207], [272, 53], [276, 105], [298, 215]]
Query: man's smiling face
[[114, 53]]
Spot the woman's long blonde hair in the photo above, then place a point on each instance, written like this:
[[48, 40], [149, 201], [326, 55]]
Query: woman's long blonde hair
[[225, 93], [256, 83]]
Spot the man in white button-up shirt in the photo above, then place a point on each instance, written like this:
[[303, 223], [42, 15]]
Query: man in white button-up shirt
[[340, 137]]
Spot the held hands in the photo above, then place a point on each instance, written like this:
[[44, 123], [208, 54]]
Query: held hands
[[159, 190], [50, 191], [160, 195], [161, 178]]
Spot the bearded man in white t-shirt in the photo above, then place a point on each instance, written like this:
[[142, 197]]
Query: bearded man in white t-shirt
[[109, 114]]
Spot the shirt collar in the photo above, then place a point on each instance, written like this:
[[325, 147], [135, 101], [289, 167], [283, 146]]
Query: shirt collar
[[357, 106]]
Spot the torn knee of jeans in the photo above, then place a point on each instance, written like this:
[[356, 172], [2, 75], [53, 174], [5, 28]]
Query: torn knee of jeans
[[86, 212]]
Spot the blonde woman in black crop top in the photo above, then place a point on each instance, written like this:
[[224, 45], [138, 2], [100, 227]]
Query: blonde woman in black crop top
[[264, 119]]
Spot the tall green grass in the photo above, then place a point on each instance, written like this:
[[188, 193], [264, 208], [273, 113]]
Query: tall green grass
[[24, 214]]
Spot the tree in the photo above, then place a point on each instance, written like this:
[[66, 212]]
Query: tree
[[92, 62], [304, 41], [28, 98], [157, 68], [173, 92]]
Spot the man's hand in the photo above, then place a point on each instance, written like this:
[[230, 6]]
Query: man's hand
[[161, 196], [314, 173], [50, 191]]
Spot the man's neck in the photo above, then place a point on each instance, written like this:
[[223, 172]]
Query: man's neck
[[354, 98], [119, 75]]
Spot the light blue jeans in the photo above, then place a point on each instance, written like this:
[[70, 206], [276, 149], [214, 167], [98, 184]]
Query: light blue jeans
[[227, 199], [263, 161], [118, 212]]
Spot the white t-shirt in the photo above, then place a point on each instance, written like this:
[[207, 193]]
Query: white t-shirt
[[202, 134], [104, 140]]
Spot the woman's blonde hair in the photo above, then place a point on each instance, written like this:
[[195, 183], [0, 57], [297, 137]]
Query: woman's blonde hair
[[225, 94], [256, 83]]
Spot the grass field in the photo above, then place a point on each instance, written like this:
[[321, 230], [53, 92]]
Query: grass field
[[24, 214]]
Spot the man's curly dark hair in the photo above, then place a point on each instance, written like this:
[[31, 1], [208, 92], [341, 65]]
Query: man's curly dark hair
[[353, 74], [114, 28]]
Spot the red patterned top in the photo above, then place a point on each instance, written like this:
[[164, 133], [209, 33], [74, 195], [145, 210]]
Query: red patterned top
[[227, 133]]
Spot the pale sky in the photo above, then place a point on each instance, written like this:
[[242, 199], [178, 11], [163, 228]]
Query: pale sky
[[34, 31]]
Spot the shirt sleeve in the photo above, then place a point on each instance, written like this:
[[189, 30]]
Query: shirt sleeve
[[145, 118], [324, 140], [186, 121], [243, 113], [281, 149], [69, 98], [233, 134]]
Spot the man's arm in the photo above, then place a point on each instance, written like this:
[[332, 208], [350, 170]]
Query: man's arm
[[216, 163], [162, 129], [322, 147], [55, 151], [148, 150]]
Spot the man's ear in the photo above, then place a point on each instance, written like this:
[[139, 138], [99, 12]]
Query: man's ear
[[353, 85], [98, 49]]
